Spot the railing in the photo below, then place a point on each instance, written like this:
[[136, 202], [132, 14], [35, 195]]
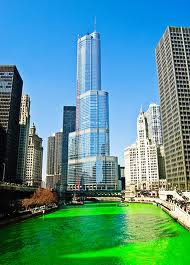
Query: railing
[[15, 185]]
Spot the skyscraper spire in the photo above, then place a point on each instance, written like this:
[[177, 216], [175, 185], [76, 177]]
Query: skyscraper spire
[[95, 24]]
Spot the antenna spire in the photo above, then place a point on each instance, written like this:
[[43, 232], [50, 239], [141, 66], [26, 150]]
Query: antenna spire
[[95, 24]]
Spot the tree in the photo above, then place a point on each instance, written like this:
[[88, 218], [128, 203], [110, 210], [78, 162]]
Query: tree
[[40, 197]]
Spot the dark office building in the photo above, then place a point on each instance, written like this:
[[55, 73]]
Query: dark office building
[[69, 120], [10, 99], [121, 176]]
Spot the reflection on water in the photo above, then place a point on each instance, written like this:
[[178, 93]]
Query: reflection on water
[[97, 234]]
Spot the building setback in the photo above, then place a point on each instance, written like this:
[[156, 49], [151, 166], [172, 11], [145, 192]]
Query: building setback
[[24, 124], [69, 125], [34, 159], [173, 67], [141, 159], [10, 98], [90, 165]]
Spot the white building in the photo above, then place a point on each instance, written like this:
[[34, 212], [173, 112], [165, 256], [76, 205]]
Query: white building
[[34, 159], [24, 124], [154, 121], [141, 159]]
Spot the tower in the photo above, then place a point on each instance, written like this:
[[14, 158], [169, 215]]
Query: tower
[[24, 125], [90, 165], [10, 99], [141, 159], [34, 159], [173, 67]]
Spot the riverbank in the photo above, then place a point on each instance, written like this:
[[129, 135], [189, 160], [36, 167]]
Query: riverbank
[[173, 210], [179, 215], [20, 218]]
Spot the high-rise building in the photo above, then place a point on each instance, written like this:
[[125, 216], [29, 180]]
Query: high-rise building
[[154, 121], [23, 137], [50, 162], [161, 162], [69, 125], [121, 176], [155, 134], [34, 159], [54, 160], [58, 156], [90, 165], [173, 66], [10, 99], [141, 159]]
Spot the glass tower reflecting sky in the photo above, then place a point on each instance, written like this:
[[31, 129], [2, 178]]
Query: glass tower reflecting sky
[[90, 165]]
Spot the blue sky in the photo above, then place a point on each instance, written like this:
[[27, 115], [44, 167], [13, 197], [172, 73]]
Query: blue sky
[[40, 38]]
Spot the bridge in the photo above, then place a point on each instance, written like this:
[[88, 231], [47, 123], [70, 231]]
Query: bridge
[[105, 195], [11, 194], [16, 187]]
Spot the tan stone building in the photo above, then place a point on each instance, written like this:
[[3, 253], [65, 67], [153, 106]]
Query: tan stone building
[[34, 159], [24, 124]]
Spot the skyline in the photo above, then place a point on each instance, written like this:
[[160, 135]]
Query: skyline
[[122, 60]]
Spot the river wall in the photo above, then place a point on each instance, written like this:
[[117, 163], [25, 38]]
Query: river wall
[[172, 209], [16, 219]]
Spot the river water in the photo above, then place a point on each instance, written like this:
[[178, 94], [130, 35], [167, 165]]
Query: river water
[[97, 234]]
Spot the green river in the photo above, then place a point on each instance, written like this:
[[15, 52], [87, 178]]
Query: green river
[[97, 234]]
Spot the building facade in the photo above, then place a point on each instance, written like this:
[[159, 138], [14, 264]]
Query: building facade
[[34, 159], [58, 155], [155, 134], [121, 177], [50, 162], [161, 162], [54, 160], [154, 122], [173, 67], [69, 125], [141, 159], [90, 165], [10, 98], [23, 137]]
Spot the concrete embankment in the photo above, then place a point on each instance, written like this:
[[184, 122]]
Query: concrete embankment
[[172, 209], [16, 219], [178, 215]]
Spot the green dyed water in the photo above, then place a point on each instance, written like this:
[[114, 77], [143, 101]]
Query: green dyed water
[[97, 234]]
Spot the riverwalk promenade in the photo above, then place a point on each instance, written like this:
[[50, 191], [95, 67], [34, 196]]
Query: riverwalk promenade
[[176, 212]]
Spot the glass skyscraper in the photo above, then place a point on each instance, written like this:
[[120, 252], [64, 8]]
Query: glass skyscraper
[[90, 165]]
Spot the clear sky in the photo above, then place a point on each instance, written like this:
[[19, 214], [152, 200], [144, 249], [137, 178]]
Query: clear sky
[[40, 37]]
